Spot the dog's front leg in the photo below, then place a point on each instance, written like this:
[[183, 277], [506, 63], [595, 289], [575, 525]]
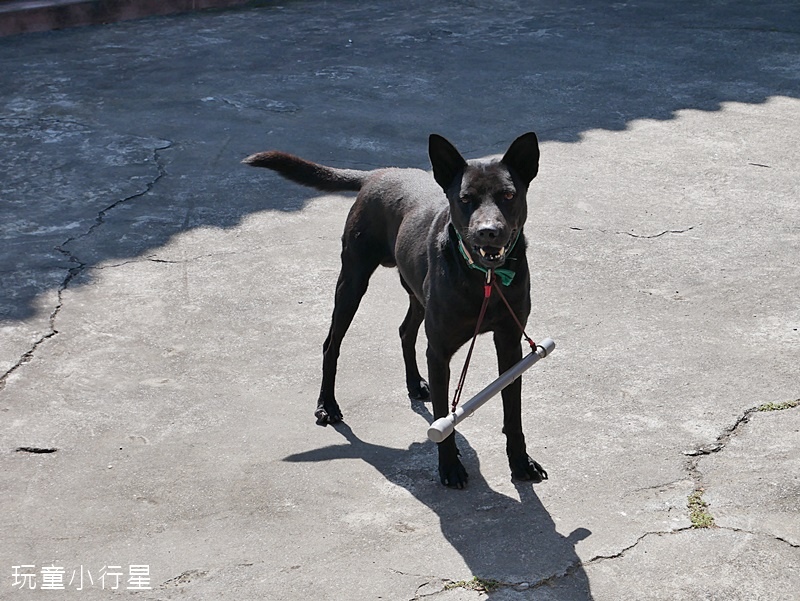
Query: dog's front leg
[[509, 352], [451, 471]]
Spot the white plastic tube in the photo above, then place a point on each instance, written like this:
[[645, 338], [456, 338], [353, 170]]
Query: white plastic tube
[[444, 426]]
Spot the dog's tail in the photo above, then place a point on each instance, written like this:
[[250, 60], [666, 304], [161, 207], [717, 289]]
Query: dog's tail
[[327, 179]]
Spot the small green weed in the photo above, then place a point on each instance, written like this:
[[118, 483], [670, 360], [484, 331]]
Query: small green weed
[[698, 511], [779, 406]]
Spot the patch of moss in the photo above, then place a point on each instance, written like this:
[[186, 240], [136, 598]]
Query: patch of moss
[[779, 406], [698, 511]]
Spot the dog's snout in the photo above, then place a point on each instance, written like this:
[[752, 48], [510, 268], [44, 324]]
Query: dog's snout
[[488, 233]]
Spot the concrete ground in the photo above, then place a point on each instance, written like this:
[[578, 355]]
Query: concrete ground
[[163, 306]]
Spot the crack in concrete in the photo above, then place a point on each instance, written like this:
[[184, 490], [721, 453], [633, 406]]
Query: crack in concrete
[[693, 460], [80, 266], [655, 487], [27, 357], [639, 236], [573, 568], [652, 236], [433, 582], [692, 467], [152, 259], [101, 215], [722, 440], [620, 554], [624, 550], [762, 534], [683, 231], [695, 455], [719, 444]]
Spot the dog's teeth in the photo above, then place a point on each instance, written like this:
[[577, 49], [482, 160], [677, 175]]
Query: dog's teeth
[[483, 252], [503, 251]]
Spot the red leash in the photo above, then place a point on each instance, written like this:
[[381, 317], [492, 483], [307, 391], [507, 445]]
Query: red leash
[[487, 293], [514, 315]]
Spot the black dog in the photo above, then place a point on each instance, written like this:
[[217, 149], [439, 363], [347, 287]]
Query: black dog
[[443, 247]]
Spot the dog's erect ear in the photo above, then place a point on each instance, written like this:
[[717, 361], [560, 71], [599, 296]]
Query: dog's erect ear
[[523, 157], [446, 161]]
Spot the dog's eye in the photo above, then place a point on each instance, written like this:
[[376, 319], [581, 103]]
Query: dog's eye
[[509, 195], [465, 198]]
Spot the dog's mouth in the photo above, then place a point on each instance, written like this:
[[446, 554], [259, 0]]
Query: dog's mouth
[[487, 256], [490, 256]]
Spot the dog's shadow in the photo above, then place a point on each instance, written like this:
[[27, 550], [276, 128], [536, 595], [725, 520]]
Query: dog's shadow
[[513, 542]]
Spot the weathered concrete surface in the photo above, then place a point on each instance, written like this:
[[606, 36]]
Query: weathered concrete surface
[[163, 307]]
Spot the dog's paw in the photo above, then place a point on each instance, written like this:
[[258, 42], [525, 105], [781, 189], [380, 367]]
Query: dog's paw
[[453, 475], [328, 412], [420, 392], [525, 468]]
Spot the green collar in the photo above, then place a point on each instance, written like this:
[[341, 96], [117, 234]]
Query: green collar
[[506, 275]]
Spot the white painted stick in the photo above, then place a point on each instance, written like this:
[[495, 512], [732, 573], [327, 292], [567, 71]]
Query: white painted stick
[[444, 426]]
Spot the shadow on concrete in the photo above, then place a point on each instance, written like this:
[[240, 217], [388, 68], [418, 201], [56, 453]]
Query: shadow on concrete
[[513, 542], [116, 139]]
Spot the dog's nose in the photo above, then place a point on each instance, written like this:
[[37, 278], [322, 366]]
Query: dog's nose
[[488, 234]]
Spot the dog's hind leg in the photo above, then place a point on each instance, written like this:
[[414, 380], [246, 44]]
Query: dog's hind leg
[[509, 352], [352, 284], [416, 385]]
